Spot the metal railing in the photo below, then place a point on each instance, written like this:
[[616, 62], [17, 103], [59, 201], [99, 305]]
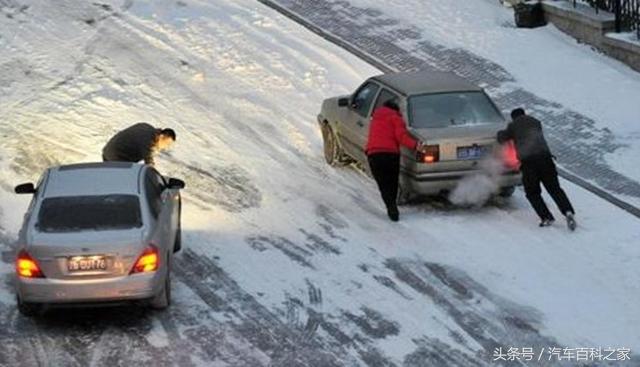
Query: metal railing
[[627, 12]]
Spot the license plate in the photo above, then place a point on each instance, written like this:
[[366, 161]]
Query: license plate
[[472, 152], [86, 263]]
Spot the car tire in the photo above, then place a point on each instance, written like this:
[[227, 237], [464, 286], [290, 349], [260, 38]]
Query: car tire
[[163, 299], [28, 309], [404, 194], [506, 192], [333, 153]]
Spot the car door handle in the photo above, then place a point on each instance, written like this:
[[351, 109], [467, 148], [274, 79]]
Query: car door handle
[[360, 123]]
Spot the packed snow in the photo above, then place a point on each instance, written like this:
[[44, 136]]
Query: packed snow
[[287, 261]]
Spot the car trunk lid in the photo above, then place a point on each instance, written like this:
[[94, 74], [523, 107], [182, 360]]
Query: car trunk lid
[[87, 254], [461, 147]]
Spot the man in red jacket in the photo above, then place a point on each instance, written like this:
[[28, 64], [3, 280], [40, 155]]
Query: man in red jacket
[[386, 133]]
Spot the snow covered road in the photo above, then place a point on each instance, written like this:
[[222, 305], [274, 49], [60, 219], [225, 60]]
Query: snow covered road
[[286, 261]]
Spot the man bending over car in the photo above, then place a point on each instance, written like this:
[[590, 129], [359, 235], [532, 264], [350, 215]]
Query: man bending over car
[[138, 142]]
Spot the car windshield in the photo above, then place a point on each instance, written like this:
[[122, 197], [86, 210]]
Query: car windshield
[[452, 109], [82, 213]]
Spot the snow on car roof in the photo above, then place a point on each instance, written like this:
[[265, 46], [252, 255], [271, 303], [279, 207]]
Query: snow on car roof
[[93, 179], [422, 82]]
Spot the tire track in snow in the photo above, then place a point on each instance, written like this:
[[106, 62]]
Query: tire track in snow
[[16, 349], [304, 320], [288, 248], [229, 187], [102, 336], [485, 317], [87, 337], [177, 344], [314, 245], [254, 322], [313, 310]]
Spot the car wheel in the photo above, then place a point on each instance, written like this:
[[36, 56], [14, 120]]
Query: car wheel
[[506, 192], [333, 153], [404, 195], [163, 299], [28, 309]]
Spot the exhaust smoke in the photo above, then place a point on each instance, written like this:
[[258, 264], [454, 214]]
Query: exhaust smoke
[[477, 189]]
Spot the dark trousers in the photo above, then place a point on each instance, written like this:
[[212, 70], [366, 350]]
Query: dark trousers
[[543, 170], [385, 168]]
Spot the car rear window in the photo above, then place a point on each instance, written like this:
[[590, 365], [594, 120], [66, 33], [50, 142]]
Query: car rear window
[[83, 213], [452, 109]]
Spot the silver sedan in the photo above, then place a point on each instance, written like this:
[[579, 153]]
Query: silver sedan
[[456, 119], [98, 233]]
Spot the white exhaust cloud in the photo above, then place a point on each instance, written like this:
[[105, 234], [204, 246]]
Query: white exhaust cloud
[[477, 189]]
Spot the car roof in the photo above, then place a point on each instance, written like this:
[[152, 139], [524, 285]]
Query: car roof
[[426, 82], [87, 179]]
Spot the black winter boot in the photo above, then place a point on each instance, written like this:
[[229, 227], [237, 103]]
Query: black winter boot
[[546, 222], [393, 214]]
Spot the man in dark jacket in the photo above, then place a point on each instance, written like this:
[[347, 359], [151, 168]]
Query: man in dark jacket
[[387, 133], [537, 166], [138, 142]]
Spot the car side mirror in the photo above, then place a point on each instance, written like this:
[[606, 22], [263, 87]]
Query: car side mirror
[[175, 183], [25, 188], [343, 102]]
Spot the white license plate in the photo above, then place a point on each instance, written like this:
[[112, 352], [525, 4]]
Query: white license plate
[[86, 263]]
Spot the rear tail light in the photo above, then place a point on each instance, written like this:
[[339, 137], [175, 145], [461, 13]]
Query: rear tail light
[[510, 156], [27, 267], [429, 154], [148, 261]]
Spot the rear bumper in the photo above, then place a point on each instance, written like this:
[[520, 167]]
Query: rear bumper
[[437, 182], [121, 289]]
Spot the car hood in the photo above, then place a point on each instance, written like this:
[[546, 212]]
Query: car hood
[[122, 242]]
